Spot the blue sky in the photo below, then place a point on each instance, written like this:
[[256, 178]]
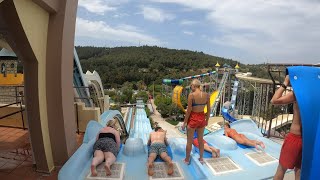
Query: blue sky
[[251, 31]]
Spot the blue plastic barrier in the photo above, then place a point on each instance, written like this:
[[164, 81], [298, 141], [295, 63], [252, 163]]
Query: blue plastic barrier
[[305, 82]]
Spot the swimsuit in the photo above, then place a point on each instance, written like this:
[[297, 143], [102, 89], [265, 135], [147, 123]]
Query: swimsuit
[[158, 148], [106, 143], [198, 104], [196, 143], [291, 151], [197, 119]]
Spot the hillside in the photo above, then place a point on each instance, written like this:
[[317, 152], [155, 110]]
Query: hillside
[[148, 63]]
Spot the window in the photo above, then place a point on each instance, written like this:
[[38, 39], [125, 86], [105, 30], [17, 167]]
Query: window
[[3, 68]]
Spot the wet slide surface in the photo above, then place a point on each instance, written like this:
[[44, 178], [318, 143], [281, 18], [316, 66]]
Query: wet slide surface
[[306, 86]]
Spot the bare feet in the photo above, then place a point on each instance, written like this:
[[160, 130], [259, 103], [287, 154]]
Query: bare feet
[[108, 171], [201, 160], [187, 162], [93, 171], [170, 168], [150, 170]]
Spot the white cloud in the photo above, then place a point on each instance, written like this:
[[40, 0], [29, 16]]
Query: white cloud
[[155, 14], [123, 33], [96, 6], [127, 27], [120, 15], [194, 4], [188, 22], [188, 33], [274, 29]]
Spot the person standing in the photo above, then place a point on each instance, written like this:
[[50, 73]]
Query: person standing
[[195, 118], [291, 151]]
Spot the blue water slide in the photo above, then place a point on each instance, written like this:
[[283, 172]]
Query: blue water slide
[[226, 115], [305, 82], [234, 93], [225, 111]]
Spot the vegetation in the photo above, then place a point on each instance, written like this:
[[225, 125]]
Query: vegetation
[[146, 65], [137, 72]]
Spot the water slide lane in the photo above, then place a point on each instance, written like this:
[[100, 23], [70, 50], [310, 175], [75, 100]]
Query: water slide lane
[[176, 97], [226, 115], [213, 98], [306, 85]]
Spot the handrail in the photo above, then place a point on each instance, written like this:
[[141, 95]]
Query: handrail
[[20, 102], [13, 113], [8, 105], [221, 85]]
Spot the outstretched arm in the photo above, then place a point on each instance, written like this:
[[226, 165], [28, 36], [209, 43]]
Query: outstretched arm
[[278, 99]]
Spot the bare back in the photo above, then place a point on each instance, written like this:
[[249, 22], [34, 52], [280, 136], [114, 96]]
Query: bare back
[[296, 122], [157, 137], [199, 98]]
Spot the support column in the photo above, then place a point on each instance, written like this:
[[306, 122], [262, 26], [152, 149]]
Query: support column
[[59, 76]]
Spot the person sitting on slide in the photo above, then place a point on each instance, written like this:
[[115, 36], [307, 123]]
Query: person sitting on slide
[[214, 152], [240, 138], [158, 147]]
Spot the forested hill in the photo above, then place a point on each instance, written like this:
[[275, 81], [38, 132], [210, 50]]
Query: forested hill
[[147, 63]]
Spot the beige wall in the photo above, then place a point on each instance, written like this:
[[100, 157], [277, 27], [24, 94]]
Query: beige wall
[[85, 114], [37, 37]]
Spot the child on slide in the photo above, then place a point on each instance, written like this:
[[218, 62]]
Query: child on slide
[[214, 151]]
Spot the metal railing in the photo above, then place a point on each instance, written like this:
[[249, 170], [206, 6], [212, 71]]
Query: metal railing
[[254, 100], [283, 115], [19, 100]]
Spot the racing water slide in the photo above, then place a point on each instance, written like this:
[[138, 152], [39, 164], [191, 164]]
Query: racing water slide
[[78, 165], [305, 82], [225, 110], [133, 155]]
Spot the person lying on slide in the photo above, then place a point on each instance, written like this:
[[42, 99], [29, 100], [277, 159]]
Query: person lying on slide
[[240, 138], [214, 152], [158, 147]]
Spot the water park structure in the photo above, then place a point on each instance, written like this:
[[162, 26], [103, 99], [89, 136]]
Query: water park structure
[[54, 82]]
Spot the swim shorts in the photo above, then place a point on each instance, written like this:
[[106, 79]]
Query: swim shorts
[[291, 152], [158, 148], [197, 120]]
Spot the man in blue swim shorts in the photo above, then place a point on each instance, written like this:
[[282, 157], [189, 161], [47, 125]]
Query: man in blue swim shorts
[[158, 147]]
